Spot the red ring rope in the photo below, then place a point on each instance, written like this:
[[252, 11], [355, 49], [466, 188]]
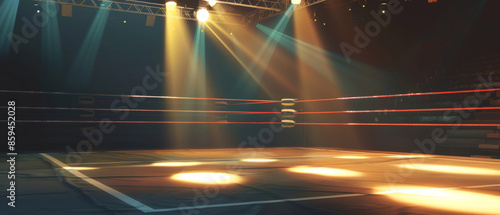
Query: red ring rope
[[400, 95]]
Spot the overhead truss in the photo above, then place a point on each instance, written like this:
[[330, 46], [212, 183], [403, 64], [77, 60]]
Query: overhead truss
[[261, 9], [260, 4], [259, 15]]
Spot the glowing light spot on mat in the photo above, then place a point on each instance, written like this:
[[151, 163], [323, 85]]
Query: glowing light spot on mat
[[351, 157], [79, 168], [176, 164], [451, 169], [444, 199], [207, 178], [258, 160], [408, 156], [324, 171]]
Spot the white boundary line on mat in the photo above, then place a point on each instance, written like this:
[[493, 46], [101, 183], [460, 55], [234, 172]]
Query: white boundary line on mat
[[130, 201], [146, 209]]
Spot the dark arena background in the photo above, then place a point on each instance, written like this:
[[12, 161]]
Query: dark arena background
[[250, 107]]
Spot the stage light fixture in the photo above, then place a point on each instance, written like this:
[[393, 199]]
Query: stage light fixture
[[171, 5], [202, 15], [37, 7], [212, 2], [364, 2], [296, 1], [383, 7]]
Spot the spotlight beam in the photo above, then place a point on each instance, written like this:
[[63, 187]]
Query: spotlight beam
[[355, 68], [82, 67], [51, 45], [232, 52], [8, 13], [265, 53], [313, 56], [245, 67], [270, 31], [267, 50]]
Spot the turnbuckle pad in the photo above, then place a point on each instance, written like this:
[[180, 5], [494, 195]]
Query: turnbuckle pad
[[287, 102], [288, 113], [287, 123]]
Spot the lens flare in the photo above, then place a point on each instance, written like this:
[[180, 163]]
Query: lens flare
[[444, 199], [258, 160], [79, 168], [451, 169], [351, 157], [176, 164], [408, 156], [207, 178], [324, 171]]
